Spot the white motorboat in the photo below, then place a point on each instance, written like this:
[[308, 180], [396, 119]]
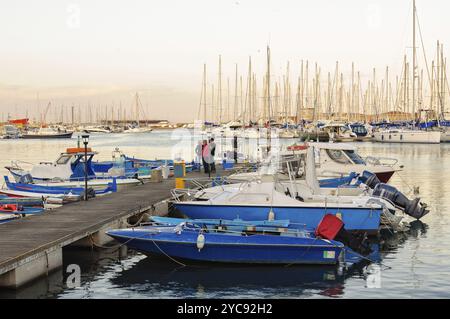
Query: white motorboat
[[340, 159], [68, 170], [337, 159]]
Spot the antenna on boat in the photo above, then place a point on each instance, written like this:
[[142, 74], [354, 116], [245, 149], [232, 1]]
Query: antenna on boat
[[269, 127]]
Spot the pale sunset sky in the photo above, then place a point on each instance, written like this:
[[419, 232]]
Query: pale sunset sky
[[101, 52]]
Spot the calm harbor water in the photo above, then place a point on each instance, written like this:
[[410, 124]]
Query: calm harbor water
[[414, 265]]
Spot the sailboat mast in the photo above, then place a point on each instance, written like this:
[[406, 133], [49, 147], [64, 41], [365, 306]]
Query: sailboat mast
[[220, 91], [204, 93], [414, 62], [269, 127], [268, 85], [235, 108]]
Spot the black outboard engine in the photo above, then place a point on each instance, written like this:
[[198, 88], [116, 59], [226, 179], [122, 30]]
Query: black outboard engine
[[369, 179], [411, 207]]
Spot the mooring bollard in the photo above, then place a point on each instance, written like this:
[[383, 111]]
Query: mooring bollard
[[179, 170]]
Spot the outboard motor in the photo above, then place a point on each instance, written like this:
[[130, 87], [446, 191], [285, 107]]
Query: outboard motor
[[369, 179], [413, 208], [26, 179]]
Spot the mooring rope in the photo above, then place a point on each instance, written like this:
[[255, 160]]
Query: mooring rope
[[171, 258], [118, 246]]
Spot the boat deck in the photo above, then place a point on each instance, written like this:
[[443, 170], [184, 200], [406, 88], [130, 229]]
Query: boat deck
[[26, 239]]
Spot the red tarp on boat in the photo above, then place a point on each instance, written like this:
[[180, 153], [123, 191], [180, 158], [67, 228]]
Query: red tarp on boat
[[329, 227]]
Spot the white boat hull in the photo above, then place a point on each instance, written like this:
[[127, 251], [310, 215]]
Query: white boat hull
[[403, 136]]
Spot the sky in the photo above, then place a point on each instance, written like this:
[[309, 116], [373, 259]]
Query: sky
[[102, 52]]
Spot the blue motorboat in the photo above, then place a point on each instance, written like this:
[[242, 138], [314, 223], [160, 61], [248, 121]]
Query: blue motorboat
[[193, 242], [330, 227]]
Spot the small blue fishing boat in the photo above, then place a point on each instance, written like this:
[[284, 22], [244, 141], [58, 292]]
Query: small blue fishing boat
[[191, 241], [39, 191]]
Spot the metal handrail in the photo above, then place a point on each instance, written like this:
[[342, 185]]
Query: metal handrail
[[379, 161]]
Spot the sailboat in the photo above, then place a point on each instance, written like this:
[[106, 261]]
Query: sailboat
[[136, 128], [410, 135], [48, 132]]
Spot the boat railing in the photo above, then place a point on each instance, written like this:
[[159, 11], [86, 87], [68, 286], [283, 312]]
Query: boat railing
[[196, 184], [385, 161], [16, 164], [178, 194]]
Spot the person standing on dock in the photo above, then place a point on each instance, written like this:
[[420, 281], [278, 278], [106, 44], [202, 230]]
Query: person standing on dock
[[212, 152], [205, 156], [199, 155]]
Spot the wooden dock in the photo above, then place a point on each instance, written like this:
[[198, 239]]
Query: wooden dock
[[32, 247], [38, 240]]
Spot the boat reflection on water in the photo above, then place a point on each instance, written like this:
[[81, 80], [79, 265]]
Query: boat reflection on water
[[390, 242], [158, 273]]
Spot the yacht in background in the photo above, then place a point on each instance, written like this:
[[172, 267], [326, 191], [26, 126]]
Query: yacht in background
[[407, 136]]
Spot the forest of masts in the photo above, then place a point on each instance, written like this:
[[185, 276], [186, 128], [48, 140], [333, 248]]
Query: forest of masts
[[89, 113], [316, 95]]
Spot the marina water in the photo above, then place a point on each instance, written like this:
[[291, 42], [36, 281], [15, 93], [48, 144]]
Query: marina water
[[414, 265]]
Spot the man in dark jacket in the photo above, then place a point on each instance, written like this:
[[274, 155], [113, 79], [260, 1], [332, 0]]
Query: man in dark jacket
[[212, 151]]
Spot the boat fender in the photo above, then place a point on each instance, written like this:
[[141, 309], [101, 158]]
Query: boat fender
[[271, 216], [200, 241]]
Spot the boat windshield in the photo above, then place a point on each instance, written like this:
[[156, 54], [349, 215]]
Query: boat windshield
[[63, 159], [355, 157], [338, 156]]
